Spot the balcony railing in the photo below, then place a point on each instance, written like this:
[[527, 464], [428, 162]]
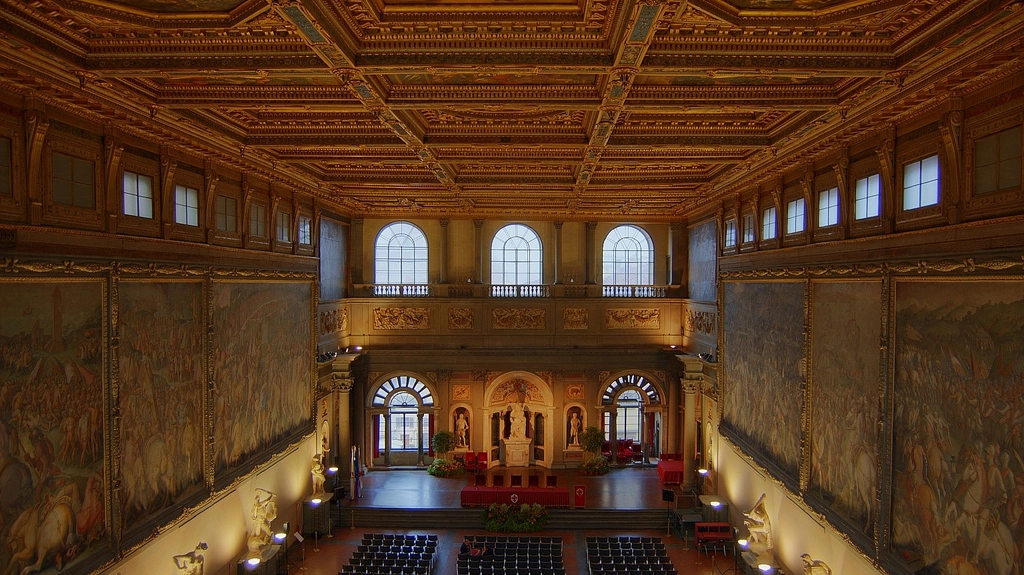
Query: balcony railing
[[633, 291], [520, 291], [402, 290]]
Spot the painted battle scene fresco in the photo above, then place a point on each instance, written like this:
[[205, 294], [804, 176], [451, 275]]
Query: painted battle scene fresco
[[958, 474], [161, 383], [52, 508], [764, 349], [845, 334], [262, 348], [703, 272]]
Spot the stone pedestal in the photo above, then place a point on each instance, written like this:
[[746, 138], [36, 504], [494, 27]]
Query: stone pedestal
[[517, 452]]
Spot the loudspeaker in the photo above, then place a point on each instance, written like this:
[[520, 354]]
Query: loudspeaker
[[668, 495]]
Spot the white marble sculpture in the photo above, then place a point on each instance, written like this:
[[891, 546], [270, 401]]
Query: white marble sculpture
[[191, 563], [815, 566], [760, 528], [317, 471], [264, 512]]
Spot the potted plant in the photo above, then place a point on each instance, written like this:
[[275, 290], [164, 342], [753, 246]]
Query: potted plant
[[594, 463], [443, 443]]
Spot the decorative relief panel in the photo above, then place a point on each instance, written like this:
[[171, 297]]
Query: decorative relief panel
[[576, 318], [633, 318], [401, 318], [518, 318], [333, 321], [574, 391], [461, 392], [516, 391], [460, 318], [701, 322]]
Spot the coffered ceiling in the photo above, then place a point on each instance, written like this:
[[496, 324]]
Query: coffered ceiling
[[646, 110]]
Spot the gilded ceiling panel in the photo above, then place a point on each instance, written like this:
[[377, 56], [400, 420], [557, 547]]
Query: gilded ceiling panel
[[181, 6]]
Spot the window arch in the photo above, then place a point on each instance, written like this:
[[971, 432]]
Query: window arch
[[401, 255], [628, 257], [405, 383], [627, 381], [516, 256]]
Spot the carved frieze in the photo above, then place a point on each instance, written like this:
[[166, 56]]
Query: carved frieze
[[401, 318], [518, 318], [701, 322], [576, 318], [633, 318], [333, 321], [460, 318], [516, 391]]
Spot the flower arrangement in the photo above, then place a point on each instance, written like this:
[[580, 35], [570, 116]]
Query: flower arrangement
[[515, 518], [446, 468], [597, 465]]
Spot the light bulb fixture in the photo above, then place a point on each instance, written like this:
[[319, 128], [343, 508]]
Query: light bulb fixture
[[716, 504], [742, 543], [764, 567], [253, 561], [358, 348], [703, 472], [316, 501], [332, 469], [280, 536]]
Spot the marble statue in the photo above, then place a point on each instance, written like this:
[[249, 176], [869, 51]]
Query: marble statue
[[517, 421], [191, 563], [760, 528], [815, 566], [264, 512], [461, 430], [318, 474], [574, 429]]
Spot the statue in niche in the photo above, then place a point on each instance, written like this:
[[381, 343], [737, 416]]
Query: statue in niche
[[264, 512], [574, 428], [760, 528], [191, 563], [461, 429], [318, 474], [516, 421]]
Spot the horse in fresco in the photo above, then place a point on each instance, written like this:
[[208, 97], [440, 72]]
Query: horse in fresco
[[44, 531], [15, 478]]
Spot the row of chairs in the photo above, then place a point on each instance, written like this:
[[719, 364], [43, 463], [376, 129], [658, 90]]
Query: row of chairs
[[476, 461], [502, 571], [516, 538], [628, 554], [393, 554], [517, 480]]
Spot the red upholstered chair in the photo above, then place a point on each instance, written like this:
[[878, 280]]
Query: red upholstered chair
[[517, 481], [470, 461], [552, 481], [481, 460], [481, 480], [535, 481], [499, 481]]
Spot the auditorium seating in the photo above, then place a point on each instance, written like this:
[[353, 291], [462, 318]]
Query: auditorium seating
[[389, 554], [514, 555], [632, 555]]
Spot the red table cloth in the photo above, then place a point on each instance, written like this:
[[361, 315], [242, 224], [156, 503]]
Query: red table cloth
[[670, 471], [473, 496]]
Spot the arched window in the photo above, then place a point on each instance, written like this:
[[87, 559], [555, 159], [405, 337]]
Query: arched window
[[402, 428], [403, 409], [628, 257], [401, 255], [516, 256]]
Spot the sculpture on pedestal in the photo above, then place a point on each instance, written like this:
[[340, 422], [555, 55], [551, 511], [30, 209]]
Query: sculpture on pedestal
[[461, 429], [517, 421], [574, 429], [264, 512], [318, 474], [815, 566], [760, 528]]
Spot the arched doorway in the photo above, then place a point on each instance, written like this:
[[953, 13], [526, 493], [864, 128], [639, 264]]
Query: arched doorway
[[402, 421], [631, 418]]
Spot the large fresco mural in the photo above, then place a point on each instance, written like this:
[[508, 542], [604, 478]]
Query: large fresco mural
[[764, 349], [703, 258], [52, 484], [161, 381], [262, 350], [844, 404], [958, 452]]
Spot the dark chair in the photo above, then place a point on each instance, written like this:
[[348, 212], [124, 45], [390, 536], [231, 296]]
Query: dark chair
[[481, 479], [552, 481], [498, 481], [517, 481], [534, 481]]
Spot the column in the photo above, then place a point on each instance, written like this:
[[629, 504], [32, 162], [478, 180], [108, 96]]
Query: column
[[689, 430], [356, 251], [343, 459], [672, 416], [591, 241], [387, 439], [478, 226], [443, 257], [558, 252], [613, 433]]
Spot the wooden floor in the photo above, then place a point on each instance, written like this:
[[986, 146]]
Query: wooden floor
[[629, 488]]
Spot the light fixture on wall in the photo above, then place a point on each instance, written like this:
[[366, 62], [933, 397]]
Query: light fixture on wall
[[764, 567]]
